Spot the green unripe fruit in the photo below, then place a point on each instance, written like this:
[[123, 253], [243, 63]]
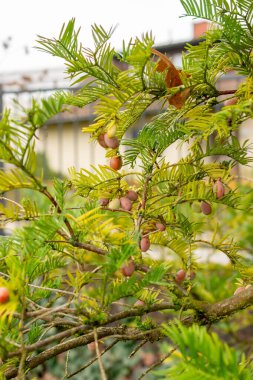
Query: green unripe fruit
[[111, 132], [196, 207], [114, 204]]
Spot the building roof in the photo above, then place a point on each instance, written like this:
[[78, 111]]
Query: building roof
[[177, 47]]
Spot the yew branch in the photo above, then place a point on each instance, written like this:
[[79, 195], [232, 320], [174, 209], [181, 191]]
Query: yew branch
[[208, 314]]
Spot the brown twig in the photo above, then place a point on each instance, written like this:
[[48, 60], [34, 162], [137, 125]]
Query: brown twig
[[226, 92], [70, 344], [117, 210], [156, 364], [21, 366], [138, 311], [143, 202], [137, 348], [93, 360], [100, 363], [209, 314], [87, 246], [59, 210]]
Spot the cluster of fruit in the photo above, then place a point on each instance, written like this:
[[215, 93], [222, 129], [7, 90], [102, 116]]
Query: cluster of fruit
[[109, 140], [218, 187], [128, 269], [219, 191], [144, 243], [124, 202]]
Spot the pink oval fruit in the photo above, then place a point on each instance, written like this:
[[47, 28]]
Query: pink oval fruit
[[219, 189], [139, 303], [103, 201], [180, 276], [239, 290], [230, 102], [101, 140], [160, 226], [4, 295], [92, 346], [145, 244], [111, 142], [206, 208], [148, 359], [132, 195], [126, 204], [128, 269], [116, 163]]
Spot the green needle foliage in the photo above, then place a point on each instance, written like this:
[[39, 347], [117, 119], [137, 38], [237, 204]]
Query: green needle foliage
[[78, 259], [203, 356]]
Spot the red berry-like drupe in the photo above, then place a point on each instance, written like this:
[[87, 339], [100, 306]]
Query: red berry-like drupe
[[116, 162], [111, 142], [101, 140], [160, 226], [145, 244], [206, 208], [132, 195], [180, 276], [4, 295], [126, 204], [196, 207], [128, 269]]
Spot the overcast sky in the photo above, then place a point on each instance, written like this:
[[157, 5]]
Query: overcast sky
[[23, 20]]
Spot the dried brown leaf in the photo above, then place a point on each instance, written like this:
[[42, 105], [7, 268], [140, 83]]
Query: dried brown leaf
[[172, 78]]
